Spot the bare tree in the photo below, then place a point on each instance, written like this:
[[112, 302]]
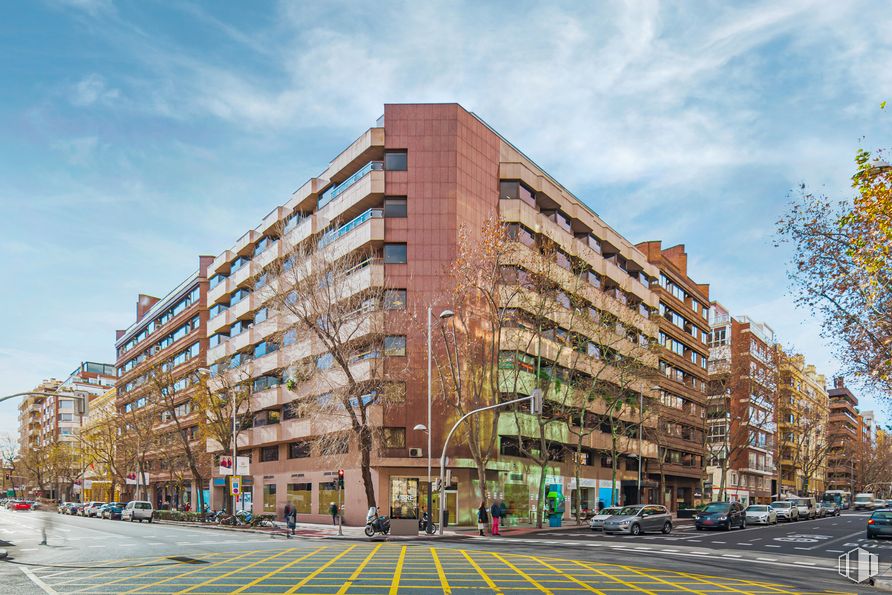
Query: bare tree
[[9, 454], [334, 319]]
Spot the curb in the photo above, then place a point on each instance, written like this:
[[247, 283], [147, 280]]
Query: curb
[[882, 583], [3, 554]]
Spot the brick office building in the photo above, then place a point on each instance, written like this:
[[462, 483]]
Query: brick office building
[[168, 336], [684, 337], [403, 189]]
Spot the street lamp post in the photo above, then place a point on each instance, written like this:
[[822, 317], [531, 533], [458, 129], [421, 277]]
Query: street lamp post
[[445, 314]]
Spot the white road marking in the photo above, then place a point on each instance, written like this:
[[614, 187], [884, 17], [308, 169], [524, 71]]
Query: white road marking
[[835, 551], [34, 579], [769, 545], [730, 556], [717, 542], [767, 559]]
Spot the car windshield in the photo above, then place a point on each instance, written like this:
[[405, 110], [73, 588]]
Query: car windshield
[[755, 508], [780, 505], [630, 510], [142, 505], [863, 498], [609, 511], [718, 507]]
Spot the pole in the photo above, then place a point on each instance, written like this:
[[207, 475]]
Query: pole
[[640, 461], [446, 446], [234, 451], [340, 514], [430, 486]]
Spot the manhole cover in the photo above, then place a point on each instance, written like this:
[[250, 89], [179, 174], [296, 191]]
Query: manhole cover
[[186, 560]]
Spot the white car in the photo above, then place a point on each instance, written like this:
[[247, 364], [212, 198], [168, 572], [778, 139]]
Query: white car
[[864, 501], [761, 514], [137, 510], [92, 508], [597, 522]]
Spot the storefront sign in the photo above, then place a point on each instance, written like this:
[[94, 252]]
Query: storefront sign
[[242, 466]]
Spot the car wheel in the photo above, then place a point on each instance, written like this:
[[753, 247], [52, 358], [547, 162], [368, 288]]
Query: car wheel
[[699, 528], [667, 528], [870, 536], [635, 529], [150, 520]]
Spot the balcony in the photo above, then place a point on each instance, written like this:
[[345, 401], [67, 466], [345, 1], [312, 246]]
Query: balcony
[[335, 191], [219, 291], [244, 276], [343, 230]]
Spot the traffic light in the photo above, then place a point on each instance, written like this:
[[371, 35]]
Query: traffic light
[[340, 479], [436, 486]]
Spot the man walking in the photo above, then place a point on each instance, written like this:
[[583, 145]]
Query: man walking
[[496, 513], [290, 519], [333, 510]]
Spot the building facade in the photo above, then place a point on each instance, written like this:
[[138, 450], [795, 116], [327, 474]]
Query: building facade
[[684, 336], [741, 426], [843, 460], [159, 359], [403, 191], [98, 441], [803, 410]]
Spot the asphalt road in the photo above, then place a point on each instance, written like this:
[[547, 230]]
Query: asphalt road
[[101, 556]]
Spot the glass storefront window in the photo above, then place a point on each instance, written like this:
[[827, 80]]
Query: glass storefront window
[[269, 498], [404, 497], [300, 495], [328, 493]]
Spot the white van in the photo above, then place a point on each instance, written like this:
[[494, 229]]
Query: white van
[[808, 508], [864, 501], [137, 510]]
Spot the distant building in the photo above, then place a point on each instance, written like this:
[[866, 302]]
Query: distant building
[[845, 430]]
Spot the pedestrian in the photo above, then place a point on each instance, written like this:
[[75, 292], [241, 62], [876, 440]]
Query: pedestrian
[[333, 511], [290, 519], [496, 511], [482, 518]]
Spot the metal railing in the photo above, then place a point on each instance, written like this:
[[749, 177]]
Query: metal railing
[[335, 191], [343, 230]]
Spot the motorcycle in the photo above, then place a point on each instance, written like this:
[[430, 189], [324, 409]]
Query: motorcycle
[[425, 524], [381, 525]]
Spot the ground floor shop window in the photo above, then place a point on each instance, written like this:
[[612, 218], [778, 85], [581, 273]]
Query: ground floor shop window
[[300, 495], [404, 497], [517, 499], [269, 498], [328, 493]]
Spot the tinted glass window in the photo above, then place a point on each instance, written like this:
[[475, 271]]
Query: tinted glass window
[[718, 507], [394, 299], [882, 515], [396, 161], [395, 207], [395, 254]]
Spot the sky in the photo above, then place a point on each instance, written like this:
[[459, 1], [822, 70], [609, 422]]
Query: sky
[[135, 136]]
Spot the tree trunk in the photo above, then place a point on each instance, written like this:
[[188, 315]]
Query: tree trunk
[[481, 481], [541, 496], [578, 499], [365, 447], [724, 480]]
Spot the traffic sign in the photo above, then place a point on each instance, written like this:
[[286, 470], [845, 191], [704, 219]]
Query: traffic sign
[[235, 485]]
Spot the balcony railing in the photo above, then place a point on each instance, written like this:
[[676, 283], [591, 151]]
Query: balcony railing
[[343, 230], [335, 191]]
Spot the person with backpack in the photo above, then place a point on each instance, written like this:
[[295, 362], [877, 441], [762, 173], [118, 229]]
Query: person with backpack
[[482, 518], [496, 511]]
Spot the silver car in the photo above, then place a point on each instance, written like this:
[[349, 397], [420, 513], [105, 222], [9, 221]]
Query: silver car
[[639, 519], [761, 514], [597, 522]]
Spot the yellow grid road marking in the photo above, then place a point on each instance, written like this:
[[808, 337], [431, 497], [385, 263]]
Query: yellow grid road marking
[[142, 574], [395, 585], [228, 574], [443, 582], [614, 578], [526, 576], [665, 582], [114, 570], [730, 588], [359, 569], [482, 574], [269, 575], [586, 586], [319, 570]]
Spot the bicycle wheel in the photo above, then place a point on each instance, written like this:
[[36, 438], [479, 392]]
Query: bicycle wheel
[[431, 528]]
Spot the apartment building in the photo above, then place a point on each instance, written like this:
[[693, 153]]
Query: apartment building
[[741, 419], [402, 192], [844, 434], [803, 415], [168, 340], [98, 441], [684, 336], [31, 420]]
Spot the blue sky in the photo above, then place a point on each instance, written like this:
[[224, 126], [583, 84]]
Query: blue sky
[[138, 135]]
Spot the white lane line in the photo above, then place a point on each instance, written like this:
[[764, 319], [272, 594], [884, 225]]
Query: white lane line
[[717, 542], [669, 551], [730, 556], [156, 543], [834, 551], [805, 563], [802, 548], [46, 588], [767, 559], [30, 549], [772, 545]]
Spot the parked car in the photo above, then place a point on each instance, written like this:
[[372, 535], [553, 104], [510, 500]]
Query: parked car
[[864, 501], [137, 510], [786, 510], [830, 508], [879, 524], [597, 522], [806, 505], [92, 509], [880, 503], [761, 514], [639, 519], [18, 505], [721, 515], [112, 510], [77, 508]]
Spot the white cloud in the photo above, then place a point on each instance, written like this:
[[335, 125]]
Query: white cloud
[[92, 90], [78, 151]]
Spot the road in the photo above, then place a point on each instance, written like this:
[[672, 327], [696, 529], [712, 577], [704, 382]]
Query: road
[[101, 556]]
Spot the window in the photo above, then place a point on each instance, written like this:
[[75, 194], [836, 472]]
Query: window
[[395, 254], [394, 299], [324, 361], [218, 309], [265, 382], [216, 280], [269, 453], [238, 296], [299, 450], [395, 345], [300, 496], [216, 339], [396, 160], [393, 437], [269, 498], [261, 315], [395, 207], [328, 495]]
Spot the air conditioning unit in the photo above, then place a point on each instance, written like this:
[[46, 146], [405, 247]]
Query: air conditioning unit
[[415, 453]]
